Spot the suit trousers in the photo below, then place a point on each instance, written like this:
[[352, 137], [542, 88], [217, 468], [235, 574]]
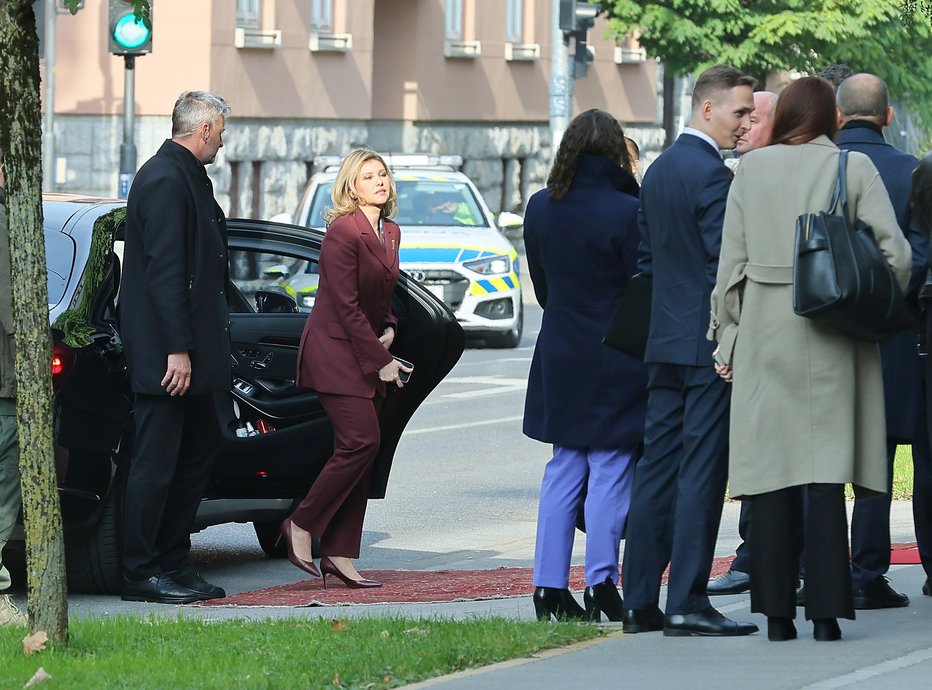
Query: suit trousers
[[10, 497], [870, 532], [742, 562], [174, 451], [610, 473], [776, 547], [679, 489], [335, 506]]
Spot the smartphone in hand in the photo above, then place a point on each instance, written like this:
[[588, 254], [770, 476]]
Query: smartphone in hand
[[404, 376]]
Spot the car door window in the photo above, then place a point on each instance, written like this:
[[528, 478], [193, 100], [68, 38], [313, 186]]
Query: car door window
[[252, 270]]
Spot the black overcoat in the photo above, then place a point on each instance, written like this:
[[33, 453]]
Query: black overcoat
[[581, 250], [175, 274]]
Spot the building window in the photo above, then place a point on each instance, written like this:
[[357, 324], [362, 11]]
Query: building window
[[514, 21], [322, 15], [248, 13], [453, 24]]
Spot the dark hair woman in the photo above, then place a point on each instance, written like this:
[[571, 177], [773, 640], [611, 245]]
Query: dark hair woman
[[807, 407], [589, 401]]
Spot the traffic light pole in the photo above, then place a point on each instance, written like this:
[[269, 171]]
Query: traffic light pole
[[128, 147], [561, 82]]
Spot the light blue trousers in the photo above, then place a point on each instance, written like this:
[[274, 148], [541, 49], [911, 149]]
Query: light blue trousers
[[609, 474]]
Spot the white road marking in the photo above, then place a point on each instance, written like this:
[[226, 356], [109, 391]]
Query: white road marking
[[498, 384], [867, 672], [464, 425]]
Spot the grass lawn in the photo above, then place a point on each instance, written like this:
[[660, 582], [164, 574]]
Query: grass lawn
[[902, 475], [368, 653]]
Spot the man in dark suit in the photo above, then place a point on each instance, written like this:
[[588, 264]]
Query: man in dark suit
[[921, 210], [865, 110], [679, 485], [174, 322]]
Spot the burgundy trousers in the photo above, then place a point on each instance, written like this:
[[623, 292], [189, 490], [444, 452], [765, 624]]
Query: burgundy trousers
[[335, 506]]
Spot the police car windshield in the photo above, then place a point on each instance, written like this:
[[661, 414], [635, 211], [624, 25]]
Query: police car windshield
[[421, 201]]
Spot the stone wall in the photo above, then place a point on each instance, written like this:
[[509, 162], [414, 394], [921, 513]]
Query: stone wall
[[264, 165]]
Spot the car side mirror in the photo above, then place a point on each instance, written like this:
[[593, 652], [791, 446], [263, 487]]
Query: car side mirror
[[268, 302], [279, 271], [506, 219]]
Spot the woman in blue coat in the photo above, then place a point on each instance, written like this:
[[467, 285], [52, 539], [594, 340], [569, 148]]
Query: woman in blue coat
[[588, 400]]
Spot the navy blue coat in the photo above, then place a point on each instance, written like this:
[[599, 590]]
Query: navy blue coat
[[682, 212], [581, 250], [902, 368]]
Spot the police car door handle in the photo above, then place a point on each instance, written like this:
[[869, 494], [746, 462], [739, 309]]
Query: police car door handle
[[263, 363]]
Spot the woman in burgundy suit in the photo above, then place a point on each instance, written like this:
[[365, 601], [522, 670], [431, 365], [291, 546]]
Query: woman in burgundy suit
[[344, 357]]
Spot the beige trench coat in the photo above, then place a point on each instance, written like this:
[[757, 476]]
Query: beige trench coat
[[807, 401]]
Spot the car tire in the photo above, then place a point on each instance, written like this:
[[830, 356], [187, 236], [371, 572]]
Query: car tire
[[511, 337], [93, 563], [268, 534]]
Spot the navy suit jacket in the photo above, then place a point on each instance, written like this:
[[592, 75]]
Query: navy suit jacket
[[902, 368], [681, 215], [581, 250]]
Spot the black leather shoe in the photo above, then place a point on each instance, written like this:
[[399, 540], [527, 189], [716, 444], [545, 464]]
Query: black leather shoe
[[709, 623], [604, 598], [158, 589], [732, 582], [640, 621], [559, 603], [879, 595], [780, 629], [927, 587], [190, 578], [825, 629]]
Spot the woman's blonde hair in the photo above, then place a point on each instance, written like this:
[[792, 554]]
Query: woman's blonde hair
[[344, 194]]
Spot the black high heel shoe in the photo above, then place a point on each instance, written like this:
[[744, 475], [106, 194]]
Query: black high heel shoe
[[296, 561], [328, 567], [559, 603], [780, 629], [604, 598], [825, 629]]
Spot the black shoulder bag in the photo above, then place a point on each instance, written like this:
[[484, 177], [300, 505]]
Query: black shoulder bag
[[840, 276]]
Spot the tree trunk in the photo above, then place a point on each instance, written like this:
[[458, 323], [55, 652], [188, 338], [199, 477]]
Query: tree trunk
[[21, 139]]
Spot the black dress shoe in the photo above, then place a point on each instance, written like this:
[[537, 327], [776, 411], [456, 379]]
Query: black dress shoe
[[732, 582], [927, 587], [559, 603], [604, 598], [158, 589], [190, 578], [879, 595], [639, 621], [825, 629], [708, 623], [780, 629]]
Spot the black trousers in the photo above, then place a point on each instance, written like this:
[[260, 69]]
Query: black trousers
[[776, 546], [742, 562], [175, 446], [870, 532]]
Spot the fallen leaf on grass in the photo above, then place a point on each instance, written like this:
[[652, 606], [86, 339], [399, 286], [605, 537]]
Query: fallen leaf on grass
[[35, 642], [339, 625], [39, 676], [385, 634], [336, 679]]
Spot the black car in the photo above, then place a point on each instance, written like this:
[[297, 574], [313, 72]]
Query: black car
[[275, 438]]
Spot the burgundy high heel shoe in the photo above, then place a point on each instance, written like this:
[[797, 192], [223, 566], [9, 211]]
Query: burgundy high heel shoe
[[328, 567], [306, 566]]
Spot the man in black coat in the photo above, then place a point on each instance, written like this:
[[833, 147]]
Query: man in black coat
[[175, 328], [865, 110]]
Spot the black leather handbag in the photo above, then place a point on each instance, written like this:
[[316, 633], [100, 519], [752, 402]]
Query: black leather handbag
[[630, 324], [840, 276]]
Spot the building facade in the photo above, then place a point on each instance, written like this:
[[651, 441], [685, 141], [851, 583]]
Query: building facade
[[313, 77]]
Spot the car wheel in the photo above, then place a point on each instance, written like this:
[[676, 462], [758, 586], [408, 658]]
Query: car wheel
[[268, 534], [93, 562], [511, 337]]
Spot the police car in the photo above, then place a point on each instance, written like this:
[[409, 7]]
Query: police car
[[449, 243]]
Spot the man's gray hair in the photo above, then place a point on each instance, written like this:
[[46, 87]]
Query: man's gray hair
[[194, 108]]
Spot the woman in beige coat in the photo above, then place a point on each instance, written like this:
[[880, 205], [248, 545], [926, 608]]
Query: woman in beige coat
[[807, 404]]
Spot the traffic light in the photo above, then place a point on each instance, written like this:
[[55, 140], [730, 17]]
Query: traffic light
[[127, 34], [578, 16]]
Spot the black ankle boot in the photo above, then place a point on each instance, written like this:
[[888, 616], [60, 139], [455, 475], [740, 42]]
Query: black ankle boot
[[780, 629], [559, 603], [606, 599], [826, 629]]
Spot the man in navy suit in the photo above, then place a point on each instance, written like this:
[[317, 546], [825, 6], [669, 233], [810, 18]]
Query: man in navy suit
[[865, 110], [679, 485]]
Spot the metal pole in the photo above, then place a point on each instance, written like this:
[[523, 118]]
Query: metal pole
[[561, 82], [128, 147], [48, 140]]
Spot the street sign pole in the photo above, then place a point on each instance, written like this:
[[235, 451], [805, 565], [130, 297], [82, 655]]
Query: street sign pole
[[561, 82], [128, 147]]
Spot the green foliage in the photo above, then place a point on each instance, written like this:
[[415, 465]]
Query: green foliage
[[890, 38], [143, 10], [291, 653]]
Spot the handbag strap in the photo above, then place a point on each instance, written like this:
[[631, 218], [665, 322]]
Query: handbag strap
[[840, 193]]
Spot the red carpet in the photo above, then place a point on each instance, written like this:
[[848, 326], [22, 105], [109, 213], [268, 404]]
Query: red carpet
[[426, 586]]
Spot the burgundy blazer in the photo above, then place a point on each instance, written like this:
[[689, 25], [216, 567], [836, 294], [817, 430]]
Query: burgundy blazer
[[340, 351]]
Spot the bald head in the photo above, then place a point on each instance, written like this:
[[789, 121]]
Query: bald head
[[864, 97], [765, 103]]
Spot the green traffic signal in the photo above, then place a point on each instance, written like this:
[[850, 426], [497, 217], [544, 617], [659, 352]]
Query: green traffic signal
[[130, 33]]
